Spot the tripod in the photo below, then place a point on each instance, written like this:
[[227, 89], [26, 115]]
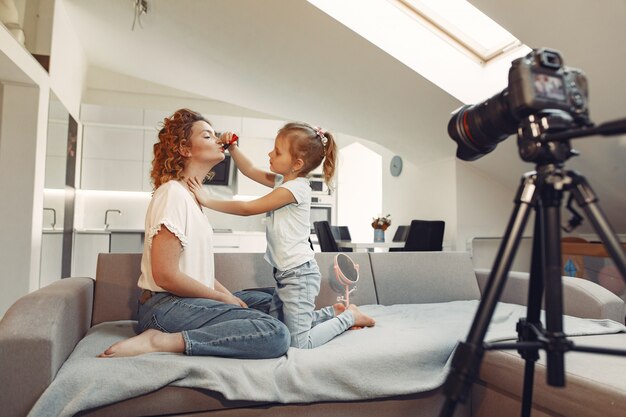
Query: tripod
[[544, 139]]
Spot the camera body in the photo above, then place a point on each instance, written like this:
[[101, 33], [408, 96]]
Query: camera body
[[540, 81], [537, 82]]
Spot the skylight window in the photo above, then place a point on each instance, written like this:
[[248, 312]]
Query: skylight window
[[435, 41], [463, 24]]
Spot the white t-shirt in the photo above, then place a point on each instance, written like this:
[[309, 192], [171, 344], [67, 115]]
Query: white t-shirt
[[173, 206], [288, 228]]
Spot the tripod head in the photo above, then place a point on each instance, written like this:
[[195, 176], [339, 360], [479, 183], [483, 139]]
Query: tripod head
[[543, 137], [532, 137]]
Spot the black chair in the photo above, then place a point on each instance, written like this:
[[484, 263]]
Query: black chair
[[325, 236], [342, 233], [400, 236], [425, 236]]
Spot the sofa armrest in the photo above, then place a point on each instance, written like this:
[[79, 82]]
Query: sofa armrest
[[581, 298], [37, 334]]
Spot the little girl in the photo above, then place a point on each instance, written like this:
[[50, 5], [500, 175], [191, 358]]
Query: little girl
[[298, 149]]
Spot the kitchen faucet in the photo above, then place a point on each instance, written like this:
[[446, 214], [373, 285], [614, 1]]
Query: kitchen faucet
[[106, 215], [54, 215]]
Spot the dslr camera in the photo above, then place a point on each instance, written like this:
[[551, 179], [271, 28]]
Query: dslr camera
[[537, 82]]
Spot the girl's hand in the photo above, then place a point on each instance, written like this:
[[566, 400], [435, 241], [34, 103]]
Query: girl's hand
[[228, 139], [198, 190]]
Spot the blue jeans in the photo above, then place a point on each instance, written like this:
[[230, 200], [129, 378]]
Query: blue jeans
[[294, 305], [214, 328]]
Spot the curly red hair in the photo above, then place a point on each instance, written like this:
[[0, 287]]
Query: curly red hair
[[169, 162]]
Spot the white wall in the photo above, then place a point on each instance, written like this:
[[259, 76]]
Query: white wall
[[424, 192], [22, 156], [359, 190], [68, 63], [109, 88], [484, 209]]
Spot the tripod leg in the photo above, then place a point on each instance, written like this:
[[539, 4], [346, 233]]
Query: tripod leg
[[587, 200], [550, 209], [533, 316], [468, 355]]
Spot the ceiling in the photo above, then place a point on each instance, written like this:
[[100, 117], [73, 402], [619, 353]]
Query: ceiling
[[289, 59]]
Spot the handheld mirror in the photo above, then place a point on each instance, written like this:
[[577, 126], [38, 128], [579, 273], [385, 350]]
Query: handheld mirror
[[347, 273]]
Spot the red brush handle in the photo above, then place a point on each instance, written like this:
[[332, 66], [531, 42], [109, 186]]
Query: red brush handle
[[233, 140]]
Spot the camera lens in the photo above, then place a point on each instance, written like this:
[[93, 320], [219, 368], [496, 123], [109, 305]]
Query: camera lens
[[477, 129]]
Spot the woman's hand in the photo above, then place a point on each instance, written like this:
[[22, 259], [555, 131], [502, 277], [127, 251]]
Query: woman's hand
[[198, 190], [231, 299]]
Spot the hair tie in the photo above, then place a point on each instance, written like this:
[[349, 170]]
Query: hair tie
[[321, 134]]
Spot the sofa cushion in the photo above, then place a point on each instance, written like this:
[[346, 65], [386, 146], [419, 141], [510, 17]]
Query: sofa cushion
[[239, 271], [116, 291], [242, 271], [365, 292], [595, 383], [581, 298], [424, 277], [406, 352]]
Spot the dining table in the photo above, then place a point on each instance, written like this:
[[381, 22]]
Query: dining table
[[368, 246]]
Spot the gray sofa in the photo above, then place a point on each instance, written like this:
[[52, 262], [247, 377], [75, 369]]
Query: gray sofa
[[40, 330]]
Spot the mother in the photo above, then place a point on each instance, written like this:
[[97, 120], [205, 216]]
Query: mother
[[182, 307]]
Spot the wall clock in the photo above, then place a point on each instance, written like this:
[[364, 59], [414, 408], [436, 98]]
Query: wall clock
[[396, 166]]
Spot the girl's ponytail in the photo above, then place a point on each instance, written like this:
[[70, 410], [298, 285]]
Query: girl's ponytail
[[330, 159]]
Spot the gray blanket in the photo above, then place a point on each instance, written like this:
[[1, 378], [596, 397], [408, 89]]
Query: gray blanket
[[406, 352]]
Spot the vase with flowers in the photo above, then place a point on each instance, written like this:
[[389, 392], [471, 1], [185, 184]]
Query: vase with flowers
[[380, 224]]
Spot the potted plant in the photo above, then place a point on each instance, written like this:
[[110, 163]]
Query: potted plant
[[380, 224]]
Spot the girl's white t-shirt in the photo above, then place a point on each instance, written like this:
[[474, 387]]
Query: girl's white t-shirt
[[174, 207], [289, 227]]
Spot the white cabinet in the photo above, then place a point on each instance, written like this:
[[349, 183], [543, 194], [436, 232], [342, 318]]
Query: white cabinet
[[112, 158], [261, 128], [239, 242], [87, 246], [225, 123], [56, 148], [118, 146], [112, 115], [150, 137], [252, 242], [225, 242], [51, 258], [256, 150]]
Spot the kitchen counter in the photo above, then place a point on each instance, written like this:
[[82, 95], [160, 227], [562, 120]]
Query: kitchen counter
[[112, 230], [107, 231], [48, 231]]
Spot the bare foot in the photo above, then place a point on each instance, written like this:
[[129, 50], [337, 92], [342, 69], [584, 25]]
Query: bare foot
[[149, 341], [339, 308], [361, 319]]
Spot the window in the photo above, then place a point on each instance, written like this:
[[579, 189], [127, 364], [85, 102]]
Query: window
[[463, 24], [437, 40]]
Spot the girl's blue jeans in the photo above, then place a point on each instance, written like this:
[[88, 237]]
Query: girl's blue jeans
[[214, 328], [294, 305]]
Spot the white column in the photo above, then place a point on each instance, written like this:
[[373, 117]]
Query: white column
[[23, 116]]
